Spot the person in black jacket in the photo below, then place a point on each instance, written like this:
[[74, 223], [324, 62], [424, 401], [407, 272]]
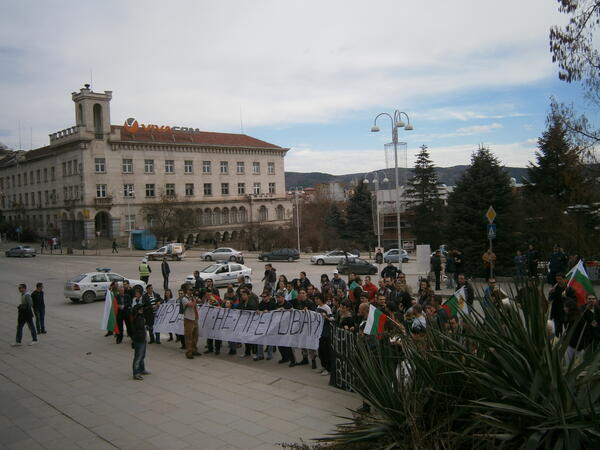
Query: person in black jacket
[[591, 317], [267, 303], [166, 271], [270, 278], [436, 268], [151, 303], [248, 302], [287, 354], [124, 304], [39, 308], [390, 271], [138, 336], [558, 296]]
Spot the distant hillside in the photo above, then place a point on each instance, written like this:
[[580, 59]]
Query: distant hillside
[[446, 175]]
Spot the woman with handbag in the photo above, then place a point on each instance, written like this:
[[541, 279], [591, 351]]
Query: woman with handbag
[[25, 316]]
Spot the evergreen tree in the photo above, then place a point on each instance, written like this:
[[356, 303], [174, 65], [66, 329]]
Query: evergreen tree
[[559, 171], [483, 184], [358, 227], [426, 206]]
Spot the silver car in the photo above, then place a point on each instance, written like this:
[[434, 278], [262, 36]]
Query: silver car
[[392, 256], [223, 254], [332, 257], [223, 274], [21, 251], [92, 286]]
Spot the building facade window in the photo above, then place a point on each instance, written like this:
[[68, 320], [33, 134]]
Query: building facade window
[[19, 180], [65, 193], [24, 180], [271, 188], [46, 197], [148, 166], [69, 168], [71, 193], [240, 167], [256, 188], [150, 190], [39, 196], [207, 189], [241, 188], [271, 168], [224, 188], [188, 166], [127, 166], [100, 165], [170, 189], [45, 174], [75, 167], [100, 191], [64, 168], [224, 167], [53, 196], [206, 167], [169, 166], [26, 199], [38, 177], [128, 190], [256, 168], [189, 189], [52, 174]]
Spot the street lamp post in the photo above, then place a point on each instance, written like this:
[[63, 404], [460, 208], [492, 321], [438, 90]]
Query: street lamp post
[[377, 220], [297, 189], [397, 123]]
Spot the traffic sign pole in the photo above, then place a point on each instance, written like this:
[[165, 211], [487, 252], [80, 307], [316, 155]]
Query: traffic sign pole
[[491, 233]]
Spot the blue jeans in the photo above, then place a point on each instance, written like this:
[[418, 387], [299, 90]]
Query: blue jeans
[[40, 314], [20, 324], [138, 357], [260, 351]]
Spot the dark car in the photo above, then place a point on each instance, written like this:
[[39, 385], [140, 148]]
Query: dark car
[[280, 254], [21, 251], [356, 265]]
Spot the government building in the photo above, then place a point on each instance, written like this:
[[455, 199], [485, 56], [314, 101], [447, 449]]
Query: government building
[[95, 180]]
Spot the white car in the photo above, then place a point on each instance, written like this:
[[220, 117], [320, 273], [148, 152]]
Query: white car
[[175, 252], [91, 286], [223, 274], [333, 257], [223, 254]]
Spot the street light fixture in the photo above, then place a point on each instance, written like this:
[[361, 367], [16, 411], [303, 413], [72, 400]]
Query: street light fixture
[[397, 123]]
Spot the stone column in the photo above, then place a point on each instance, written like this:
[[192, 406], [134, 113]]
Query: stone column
[[89, 230], [115, 228]]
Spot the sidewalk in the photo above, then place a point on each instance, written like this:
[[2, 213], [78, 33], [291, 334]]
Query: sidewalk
[[74, 390]]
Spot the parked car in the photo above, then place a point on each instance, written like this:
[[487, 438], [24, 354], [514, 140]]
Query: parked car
[[356, 265], [392, 256], [332, 257], [92, 286], [174, 251], [280, 254], [223, 274], [21, 251], [224, 254]]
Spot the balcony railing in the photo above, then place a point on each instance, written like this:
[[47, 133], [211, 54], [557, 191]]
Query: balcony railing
[[64, 133], [103, 201]]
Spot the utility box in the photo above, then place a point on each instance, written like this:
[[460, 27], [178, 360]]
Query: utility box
[[143, 240]]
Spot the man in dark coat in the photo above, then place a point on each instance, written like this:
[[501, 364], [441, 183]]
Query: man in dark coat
[[436, 268], [248, 302], [39, 308], [557, 296], [124, 304], [166, 270]]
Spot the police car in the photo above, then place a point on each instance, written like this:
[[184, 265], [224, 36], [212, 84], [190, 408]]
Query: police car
[[91, 286], [223, 274]]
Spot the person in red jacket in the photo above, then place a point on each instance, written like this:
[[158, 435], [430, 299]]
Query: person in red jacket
[[369, 287]]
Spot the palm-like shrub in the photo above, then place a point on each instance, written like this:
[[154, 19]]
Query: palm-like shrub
[[497, 381]]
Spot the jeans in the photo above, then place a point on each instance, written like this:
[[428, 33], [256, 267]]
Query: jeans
[[260, 351], [325, 352], [40, 315], [249, 349], [287, 354], [138, 357], [20, 324], [166, 282], [122, 319], [437, 279], [214, 344], [232, 347]]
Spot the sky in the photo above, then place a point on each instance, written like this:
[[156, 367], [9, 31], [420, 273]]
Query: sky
[[309, 76]]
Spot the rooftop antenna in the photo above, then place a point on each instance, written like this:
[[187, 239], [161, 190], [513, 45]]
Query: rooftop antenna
[[19, 135], [241, 121]]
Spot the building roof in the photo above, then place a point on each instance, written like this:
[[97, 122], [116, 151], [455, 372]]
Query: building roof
[[197, 137]]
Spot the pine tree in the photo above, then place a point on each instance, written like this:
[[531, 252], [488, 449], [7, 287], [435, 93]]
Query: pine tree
[[426, 205], [359, 217], [483, 184]]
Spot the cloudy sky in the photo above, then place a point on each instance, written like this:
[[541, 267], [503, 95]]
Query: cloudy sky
[[307, 75]]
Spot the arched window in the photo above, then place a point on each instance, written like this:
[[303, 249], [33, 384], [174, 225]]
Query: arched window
[[242, 215], [98, 121], [280, 212], [225, 218], [207, 217], [263, 214], [233, 215], [217, 216]]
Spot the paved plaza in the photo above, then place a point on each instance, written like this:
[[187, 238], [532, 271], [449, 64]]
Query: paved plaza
[[74, 389]]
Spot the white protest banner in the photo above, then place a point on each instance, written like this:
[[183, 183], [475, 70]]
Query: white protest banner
[[282, 327], [168, 320]]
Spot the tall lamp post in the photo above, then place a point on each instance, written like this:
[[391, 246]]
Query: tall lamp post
[[297, 190], [397, 123], [376, 189], [129, 194]]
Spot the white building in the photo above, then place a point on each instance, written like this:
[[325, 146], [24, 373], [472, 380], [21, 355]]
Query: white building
[[94, 178]]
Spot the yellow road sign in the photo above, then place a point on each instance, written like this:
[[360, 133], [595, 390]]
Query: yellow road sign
[[490, 214]]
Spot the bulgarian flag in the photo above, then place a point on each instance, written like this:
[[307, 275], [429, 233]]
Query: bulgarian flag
[[109, 319], [456, 303], [375, 321], [579, 280]]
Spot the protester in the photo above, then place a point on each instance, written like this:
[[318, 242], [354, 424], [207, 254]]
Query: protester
[[449, 270], [425, 294], [557, 296], [138, 336], [267, 303], [591, 317], [492, 294], [369, 287], [390, 271], [461, 282], [324, 350], [123, 312], [190, 322], [166, 271], [287, 354], [248, 302], [436, 268], [168, 298], [213, 345], [270, 277], [338, 283], [151, 303], [144, 270], [25, 316], [232, 345], [556, 264], [39, 308], [532, 261]]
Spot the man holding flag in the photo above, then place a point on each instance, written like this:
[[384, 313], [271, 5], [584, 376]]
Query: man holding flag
[[580, 282], [457, 302], [111, 309], [558, 295]]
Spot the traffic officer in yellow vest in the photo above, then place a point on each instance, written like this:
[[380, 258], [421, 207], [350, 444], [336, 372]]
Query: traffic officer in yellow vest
[[144, 270]]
